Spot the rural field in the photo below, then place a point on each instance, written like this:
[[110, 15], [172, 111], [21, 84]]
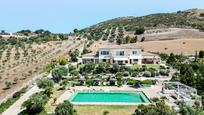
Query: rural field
[[21, 64], [178, 46]]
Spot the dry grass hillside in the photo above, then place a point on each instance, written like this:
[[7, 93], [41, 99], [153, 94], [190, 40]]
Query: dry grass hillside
[[18, 65], [185, 46]]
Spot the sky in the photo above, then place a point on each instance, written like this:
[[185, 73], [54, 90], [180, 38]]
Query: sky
[[62, 16]]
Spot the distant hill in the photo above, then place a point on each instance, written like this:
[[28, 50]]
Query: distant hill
[[116, 28]]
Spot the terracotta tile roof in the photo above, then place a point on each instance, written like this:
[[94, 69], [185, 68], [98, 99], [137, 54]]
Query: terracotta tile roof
[[123, 46]]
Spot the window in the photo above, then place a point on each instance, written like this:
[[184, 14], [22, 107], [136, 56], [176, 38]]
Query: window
[[134, 52], [126, 61], [120, 62], [135, 60], [120, 53], [104, 52]]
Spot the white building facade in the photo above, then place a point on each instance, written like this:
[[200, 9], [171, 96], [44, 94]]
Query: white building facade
[[122, 55]]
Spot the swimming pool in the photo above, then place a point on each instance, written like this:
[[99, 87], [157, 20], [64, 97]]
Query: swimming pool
[[109, 97]]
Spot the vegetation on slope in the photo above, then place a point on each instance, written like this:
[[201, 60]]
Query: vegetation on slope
[[115, 28]]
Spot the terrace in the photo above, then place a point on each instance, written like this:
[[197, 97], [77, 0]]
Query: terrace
[[181, 92]]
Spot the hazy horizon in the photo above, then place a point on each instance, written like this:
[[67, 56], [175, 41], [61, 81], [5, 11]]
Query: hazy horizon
[[62, 16]]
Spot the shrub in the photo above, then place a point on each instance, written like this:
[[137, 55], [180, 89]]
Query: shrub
[[105, 112], [147, 74], [201, 14], [8, 84], [44, 82], [17, 94], [133, 82], [150, 82], [155, 99], [153, 73], [126, 73], [15, 80], [62, 60], [74, 73], [134, 74], [163, 72], [89, 82]]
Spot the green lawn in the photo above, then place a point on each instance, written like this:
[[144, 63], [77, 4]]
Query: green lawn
[[155, 66], [98, 110]]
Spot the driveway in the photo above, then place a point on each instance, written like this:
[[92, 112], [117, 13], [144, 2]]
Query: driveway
[[16, 107]]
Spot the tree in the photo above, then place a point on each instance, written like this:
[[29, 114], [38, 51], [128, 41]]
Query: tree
[[187, 75], [35, 103], [201, 14], [58, 73], [115, 68], [127, 39], [187, 110], [48, 91], [62, 36], [143, 39], [105, 112], [119, 41], [8, 84], [50, 66], [159, 109], [85, 51], [103, 68], [140, 30], [39, 31], [25, 32], [15, 80], [133, 40], [44, 82], [76, 30], [119, 76], [3, 31], [65, 108], [171, 60], [88, 68], [201, 54], [196, 55], [74, 54], [62, 60]]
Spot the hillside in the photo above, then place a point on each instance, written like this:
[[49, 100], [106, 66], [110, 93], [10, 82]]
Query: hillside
[[121, 27], [22, 59]]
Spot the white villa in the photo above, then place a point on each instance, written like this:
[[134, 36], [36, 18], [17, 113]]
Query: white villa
[[121, 54]]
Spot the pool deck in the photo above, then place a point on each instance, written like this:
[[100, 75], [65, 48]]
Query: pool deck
[[150, 92]]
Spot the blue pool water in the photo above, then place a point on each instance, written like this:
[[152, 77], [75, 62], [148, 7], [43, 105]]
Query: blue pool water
[[121, 97]]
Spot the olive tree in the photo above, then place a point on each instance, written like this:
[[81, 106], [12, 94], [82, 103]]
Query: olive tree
[[35, 103], [65, 108]]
